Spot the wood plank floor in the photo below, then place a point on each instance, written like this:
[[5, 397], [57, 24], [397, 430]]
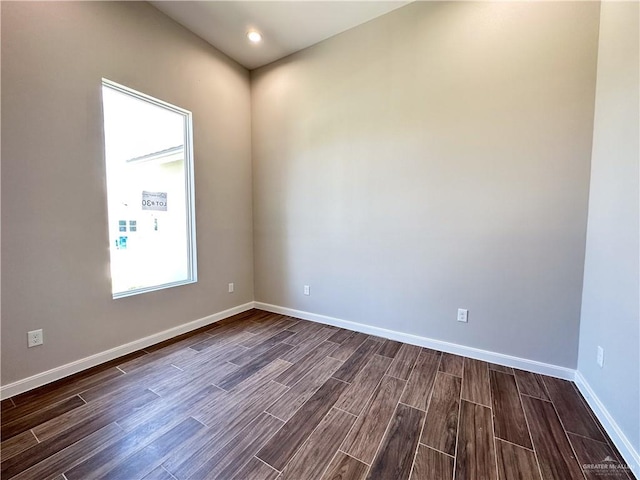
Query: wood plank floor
[[261, 396]]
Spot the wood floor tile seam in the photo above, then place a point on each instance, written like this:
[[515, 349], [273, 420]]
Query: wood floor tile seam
[[424, 421], [168, 472], [69, 447], [502, 443], [450, 374], [466, 398], [356, 346], [433, 386], [20, 422], [355, 458], [537, 398], [326, 467], [566, 437], [293, 454], [533, 445], [289, 389], [439, 451], [415, 361], [589, 438], [406, 383], [348, 413], [515, 444], [608, 450], [493, 420], [604, 434], [447, 358], [498, 423], [196, 446], [393, 376], [275, 416], [262, 461], [153, 391], [230, 381], [249, 385], [387, 428], [320, 420], [328, 464], [388, 368], [339, 380], [193, 418], [500, 370], [455, 452], [546, 389], [337, 472], [401, 419], [312, 354], [243, 462], [330, 461], [417, 408], [566, 434], [17, 444], [381, 441], [275, 399], [483, 405], [495, 446], [493, 426], [353, 426], [141, 444], [373, 390]]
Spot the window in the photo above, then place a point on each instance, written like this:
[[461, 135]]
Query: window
[[149, 165]]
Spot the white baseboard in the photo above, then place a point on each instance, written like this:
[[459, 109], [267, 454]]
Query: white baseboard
[[493, 357], [619, 439], [622, 443], [62, 371], [628, 452]]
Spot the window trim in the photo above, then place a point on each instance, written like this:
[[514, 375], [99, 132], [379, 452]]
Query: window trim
[[189, 188]]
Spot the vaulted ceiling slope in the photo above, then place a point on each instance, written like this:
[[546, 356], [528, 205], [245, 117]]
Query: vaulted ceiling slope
[[286, 26]]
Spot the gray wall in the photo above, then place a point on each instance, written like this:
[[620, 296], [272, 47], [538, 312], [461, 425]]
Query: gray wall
[[434, 158], [55, 272], [611, 295]]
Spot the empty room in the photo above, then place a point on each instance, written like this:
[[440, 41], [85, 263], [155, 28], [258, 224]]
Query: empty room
[[320, 240]]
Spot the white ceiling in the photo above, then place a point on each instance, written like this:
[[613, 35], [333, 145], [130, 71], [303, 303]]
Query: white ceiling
[[286, 26]]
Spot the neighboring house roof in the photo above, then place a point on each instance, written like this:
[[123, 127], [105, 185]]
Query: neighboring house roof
[[161, 154]]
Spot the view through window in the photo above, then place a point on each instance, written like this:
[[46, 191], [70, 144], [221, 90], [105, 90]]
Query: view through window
[[150, 191]]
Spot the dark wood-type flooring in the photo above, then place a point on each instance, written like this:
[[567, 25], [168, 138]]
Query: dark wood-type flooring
[[262, 396]]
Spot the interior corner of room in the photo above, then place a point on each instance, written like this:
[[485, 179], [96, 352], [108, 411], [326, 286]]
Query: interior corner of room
[[481, 156]]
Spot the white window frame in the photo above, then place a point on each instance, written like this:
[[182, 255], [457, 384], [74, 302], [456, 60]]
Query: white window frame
[[189, 188]]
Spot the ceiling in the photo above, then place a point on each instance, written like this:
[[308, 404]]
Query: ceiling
[[286, 26]]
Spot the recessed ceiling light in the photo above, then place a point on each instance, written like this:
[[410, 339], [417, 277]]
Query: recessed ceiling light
[[254, 36]]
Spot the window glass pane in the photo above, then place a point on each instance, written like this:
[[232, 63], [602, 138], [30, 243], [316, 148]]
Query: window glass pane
[[149, 188]]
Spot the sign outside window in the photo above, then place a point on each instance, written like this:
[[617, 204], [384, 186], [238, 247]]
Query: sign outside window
[[154, 201]]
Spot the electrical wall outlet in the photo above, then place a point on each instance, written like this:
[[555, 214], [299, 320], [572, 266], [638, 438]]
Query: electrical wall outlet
[[231, 288], [462, 314], [35, 338], [307, 290], [600, 356]]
